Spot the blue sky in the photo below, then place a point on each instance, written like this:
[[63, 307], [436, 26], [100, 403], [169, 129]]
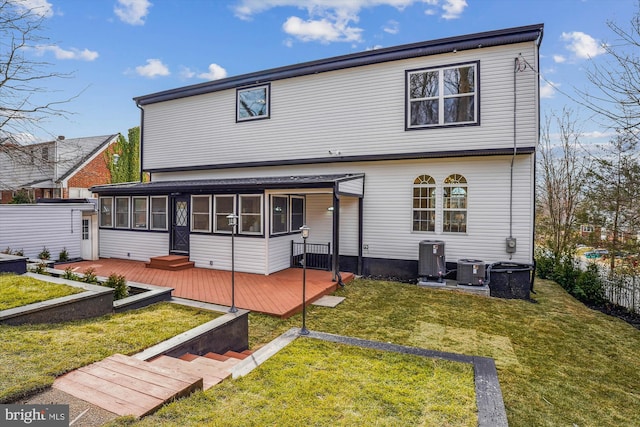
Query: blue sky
[[118, 49]]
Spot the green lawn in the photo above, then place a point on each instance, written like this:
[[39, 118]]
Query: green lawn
[[16, 291], [559, 363], [31, 356]]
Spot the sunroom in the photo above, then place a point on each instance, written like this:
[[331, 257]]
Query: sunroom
[[139, 221]]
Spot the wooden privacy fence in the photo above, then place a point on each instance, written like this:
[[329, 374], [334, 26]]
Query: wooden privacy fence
[[318, 255]]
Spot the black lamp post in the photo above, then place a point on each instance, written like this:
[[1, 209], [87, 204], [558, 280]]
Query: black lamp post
[[305, 234], [233, 223]]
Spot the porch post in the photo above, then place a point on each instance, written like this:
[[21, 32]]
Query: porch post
[[336, 235]]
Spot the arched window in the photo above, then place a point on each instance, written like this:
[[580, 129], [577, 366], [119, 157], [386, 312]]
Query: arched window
[[454, 204], [424, 203]]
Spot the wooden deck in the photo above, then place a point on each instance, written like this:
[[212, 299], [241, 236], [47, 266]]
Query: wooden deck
[[278, 294]]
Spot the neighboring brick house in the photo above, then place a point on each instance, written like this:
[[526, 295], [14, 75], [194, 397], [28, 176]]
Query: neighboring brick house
[[64, 168]]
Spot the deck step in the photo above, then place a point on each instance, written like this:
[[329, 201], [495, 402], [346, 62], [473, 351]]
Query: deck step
[[170, 263], [211, 375], [127, 386], [236, 355], [188, 357]]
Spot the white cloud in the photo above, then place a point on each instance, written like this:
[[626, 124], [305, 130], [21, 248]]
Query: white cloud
[[215, 72], [392, 27], [582, 45], [548, 89], [332, 20], [596, 134], [559, 59], [154, 68], [187, 73], [322, 30], [72, 53], [37, 7], [132, 11], [453, 8]]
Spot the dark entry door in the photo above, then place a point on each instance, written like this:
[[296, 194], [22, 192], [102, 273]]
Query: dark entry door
[[180, 224]]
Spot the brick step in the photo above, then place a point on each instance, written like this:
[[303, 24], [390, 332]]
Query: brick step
[[211, 375], [127, 386], [170, 262]]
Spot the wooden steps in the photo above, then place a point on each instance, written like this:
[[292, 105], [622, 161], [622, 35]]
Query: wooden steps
[[128, 386], [170, 263]]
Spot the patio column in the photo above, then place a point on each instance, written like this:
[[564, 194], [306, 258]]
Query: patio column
[[336, 236]]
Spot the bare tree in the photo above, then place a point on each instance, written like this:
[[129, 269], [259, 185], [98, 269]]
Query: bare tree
[[561, 182], [615, 95], [22, 77]]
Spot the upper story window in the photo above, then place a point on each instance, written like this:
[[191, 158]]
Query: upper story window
[[201, 213], [442, 96], [253, 103], [424, 203], [455, 194]]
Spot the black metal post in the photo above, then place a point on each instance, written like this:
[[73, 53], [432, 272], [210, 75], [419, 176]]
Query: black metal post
[[305, 234]]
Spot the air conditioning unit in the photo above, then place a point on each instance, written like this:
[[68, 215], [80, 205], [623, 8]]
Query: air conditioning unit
[[431, 261], [470, 272]]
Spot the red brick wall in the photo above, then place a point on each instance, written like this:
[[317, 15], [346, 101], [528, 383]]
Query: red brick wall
[[94, 173]]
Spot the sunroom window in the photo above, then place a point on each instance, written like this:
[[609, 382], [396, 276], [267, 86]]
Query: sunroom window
[[252, 103], [158, 212], [279, 214], [297, 212], [454, 197], [223, 207], [250, 214], [424, 203], [201, 213], [106, 212], [122, 212], [442, 96], [140, 212]]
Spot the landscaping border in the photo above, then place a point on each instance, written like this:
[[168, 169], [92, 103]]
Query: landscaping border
[[491, 410]]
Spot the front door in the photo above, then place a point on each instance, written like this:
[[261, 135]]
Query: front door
[[180, 225]]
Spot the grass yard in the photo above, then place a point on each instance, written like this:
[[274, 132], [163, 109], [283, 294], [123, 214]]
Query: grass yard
[[318, 383], [33, 355], [559, 363], [16, 291]]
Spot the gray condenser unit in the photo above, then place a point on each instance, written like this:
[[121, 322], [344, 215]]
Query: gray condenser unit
[[470, 272], [431, 262]]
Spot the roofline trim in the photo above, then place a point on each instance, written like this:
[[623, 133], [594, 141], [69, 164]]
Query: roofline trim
[[394, 53]]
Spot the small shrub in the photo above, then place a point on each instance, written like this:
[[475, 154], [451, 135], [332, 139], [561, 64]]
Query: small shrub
[[44, 254], [40, 268], [589, 287], [89, 276], [545, 264], [70, 275], [119, 283], [64, 255], [19, 252], [7, 251]]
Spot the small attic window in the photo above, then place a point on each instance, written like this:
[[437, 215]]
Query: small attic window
[[253, 103]]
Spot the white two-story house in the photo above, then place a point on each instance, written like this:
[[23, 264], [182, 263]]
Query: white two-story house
[[374, 151]]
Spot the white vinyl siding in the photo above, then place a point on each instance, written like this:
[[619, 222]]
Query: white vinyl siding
[[128, 244], [214, 251], [337, 119]]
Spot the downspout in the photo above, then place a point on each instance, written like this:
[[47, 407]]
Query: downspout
[[141, 139]]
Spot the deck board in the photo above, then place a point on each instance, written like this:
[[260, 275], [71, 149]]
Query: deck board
[[278, 294]]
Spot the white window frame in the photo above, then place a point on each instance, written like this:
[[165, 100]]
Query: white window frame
[[217, 213], [421, 182], [101, 201], [152, 224], [461, 182], [117, 212], [442, 96], [240, 116], [134, 212], [198, 213], [242, 215], [285, 215]]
